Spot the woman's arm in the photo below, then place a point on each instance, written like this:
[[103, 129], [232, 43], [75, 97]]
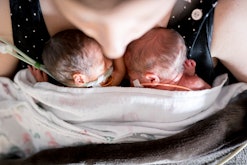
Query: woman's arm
[[8, 63], [229, 42]]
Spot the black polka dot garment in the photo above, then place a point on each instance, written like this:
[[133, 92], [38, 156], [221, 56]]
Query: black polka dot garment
[[29, 29], [193, 19]]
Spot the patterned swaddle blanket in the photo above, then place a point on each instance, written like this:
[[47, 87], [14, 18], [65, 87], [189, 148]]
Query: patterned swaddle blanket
[[36, 116]]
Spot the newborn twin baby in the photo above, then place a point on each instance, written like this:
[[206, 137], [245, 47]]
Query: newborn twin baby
[[156, 60]]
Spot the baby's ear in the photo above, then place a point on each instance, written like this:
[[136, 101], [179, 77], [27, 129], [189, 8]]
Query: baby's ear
[[152, 78], [79, 79], [189, 67]]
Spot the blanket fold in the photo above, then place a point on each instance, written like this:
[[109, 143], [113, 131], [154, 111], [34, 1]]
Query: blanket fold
[[225, 130], [118, 125]]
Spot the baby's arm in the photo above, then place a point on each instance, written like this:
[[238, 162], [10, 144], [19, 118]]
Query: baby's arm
[[118, 71], [190, 67], [38, 74]]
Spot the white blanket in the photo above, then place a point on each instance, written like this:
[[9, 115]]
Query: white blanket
[[36, 116]]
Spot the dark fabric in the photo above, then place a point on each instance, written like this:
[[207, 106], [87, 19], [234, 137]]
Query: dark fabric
[[207, 140], [29, 29], [197, 33]]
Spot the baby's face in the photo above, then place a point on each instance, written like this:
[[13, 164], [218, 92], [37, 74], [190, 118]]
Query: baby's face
[[193, 82], [182, 82]]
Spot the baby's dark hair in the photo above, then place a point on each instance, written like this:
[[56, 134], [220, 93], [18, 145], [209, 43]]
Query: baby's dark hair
[[68, 52], [160, 49]]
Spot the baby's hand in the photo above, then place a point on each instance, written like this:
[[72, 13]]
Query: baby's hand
[[190, 67], [38, 74]]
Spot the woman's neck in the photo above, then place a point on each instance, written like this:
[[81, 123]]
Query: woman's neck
[[54, 20]]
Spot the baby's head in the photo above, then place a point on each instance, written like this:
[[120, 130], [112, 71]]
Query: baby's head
[[157, 59], [161, 51], [75, 59]]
